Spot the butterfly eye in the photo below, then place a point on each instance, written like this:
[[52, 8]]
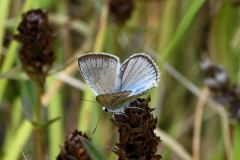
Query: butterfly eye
[[105, 109]]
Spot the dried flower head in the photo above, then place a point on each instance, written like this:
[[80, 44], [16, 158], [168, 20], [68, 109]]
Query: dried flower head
[[121, 9], [235, 2], [73, 148], [36, 36], [234, 102], [217, 80], [136, 131]]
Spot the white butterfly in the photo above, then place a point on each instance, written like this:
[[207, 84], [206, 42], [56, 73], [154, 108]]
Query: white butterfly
[[114, 83]]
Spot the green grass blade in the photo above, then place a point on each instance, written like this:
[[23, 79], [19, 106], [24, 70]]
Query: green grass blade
[[91, 150], [174, 145], [236, 130], [183, 26], [4, 9], [20, 139], [236, 141], [85, 111], [16, 115], [6, 66], [55, 110], [11, 53]]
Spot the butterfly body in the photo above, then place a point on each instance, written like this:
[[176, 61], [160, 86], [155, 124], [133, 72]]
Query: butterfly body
[[114, 83]]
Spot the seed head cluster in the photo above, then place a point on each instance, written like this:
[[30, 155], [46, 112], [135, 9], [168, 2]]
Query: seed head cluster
[[137, 139], [36, 36], [217, 80], [121, 10], [73, 148]]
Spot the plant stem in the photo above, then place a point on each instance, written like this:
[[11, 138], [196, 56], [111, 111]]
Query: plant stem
[[197, 124], [38, 130], [98, 45], [172, 144]]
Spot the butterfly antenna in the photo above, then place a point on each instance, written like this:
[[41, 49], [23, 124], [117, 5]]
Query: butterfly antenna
[[88, 100], [97, 122]]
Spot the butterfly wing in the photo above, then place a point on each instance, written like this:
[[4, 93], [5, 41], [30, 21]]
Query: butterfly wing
[[100, 71], [113, 99], [139, 73]]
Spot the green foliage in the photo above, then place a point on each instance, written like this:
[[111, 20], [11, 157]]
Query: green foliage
[[179, 33], [92, 151]]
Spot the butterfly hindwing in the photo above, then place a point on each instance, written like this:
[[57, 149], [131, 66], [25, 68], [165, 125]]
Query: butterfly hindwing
[[139, 74], [100, 71], [113, 99]]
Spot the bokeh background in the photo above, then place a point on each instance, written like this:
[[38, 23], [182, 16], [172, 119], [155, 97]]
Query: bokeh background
[[178, 34]]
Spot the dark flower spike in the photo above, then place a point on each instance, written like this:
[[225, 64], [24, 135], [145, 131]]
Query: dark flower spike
[[217, 80], [121, 10], [73, 148], [235, 2], [137, 139], [234, 102], [36, 36]]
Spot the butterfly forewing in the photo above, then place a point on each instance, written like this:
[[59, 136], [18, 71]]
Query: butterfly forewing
[[100, 72], [139, 74]]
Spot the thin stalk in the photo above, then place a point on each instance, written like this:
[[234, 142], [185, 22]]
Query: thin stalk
[[226, 134], [236, 140], [173, 145], [197, 123], [16, 115], [4, 8], [102, 28], [20, 139], [117, 30], [211, 103], [236, 127], [54, 111], [38, 130]]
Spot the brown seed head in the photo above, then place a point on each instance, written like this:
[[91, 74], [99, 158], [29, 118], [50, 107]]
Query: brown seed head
[[234, 102], [235, 3], [217, 80], [36, 36], [137, 139], [215, 77], [121, 10], [73, 149]]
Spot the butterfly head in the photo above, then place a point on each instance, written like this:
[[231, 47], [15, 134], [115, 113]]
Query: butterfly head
[[116, 109]]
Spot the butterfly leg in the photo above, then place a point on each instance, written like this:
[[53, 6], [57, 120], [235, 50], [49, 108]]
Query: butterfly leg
[[136, 108], [120, 115]]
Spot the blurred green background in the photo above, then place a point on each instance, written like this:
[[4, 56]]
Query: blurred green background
[[178, 34]]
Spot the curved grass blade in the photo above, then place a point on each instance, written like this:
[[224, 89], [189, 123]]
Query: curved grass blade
[[14, 74], [20, 139], [91, 150], [183, 26]]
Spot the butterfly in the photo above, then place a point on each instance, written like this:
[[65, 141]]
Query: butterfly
[[115, 84]]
